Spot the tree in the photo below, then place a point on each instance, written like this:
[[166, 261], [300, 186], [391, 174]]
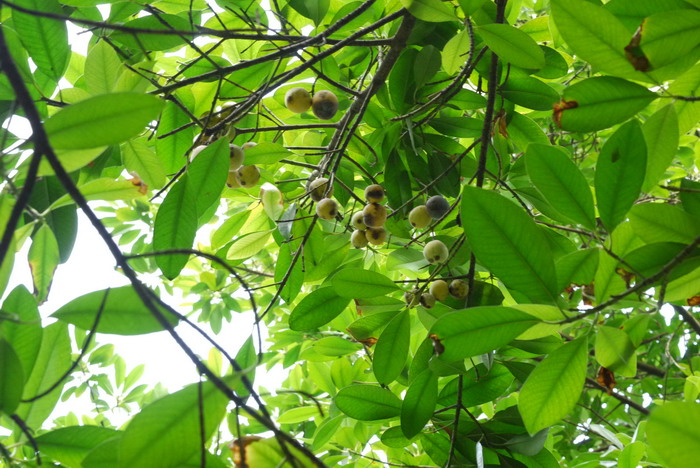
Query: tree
[[539, 309]]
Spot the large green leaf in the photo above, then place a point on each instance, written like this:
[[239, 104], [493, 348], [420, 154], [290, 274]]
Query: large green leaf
[[43, 260], [317, 309], [673, 431], [661, 137], [529, 92], [11, 378], [620, 173], [561, 183], [655, 222], [102, 68], [106, 119], [356, 283], [577, 267], [688, 84], [139, 158], [70, 445], [105, 189], [454, 51], [429, 10], [171, 149], [206, 176], [266, 153], [24, 334], [554, 387], [507, 242], [123, 314], [175, 227], [368, 402], [668, 36], [615, 351], [600, 102], [419, 403], [479, 385], [315, 10], [512, 45], [478, 330], [392, 348], [160, 22]]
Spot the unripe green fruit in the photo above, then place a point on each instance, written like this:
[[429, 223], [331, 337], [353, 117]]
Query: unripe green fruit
[[237, 156], [324, 105], [317, 189], [427, 300], [359, 239], [327, 209], [374, 215], [411, 298], [440, 290], [437, 207], [358, 221], [248, 176], [297, 100], [459, 289], [419, 217], [232, 180], [374, 193], [376, 236], [435, 251]]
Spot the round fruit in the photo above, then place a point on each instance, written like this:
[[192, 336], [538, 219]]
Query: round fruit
[[437, 207], [248, 176], [435, 251], [419, 217], [374, 193], [459, 289], [358, 239], [297, 100], [374, 215], [376, 236], [427, 300], [411, 298], [440, 290], [327, 209], [232, 180], [249, 144], [237, 156], [358, 221], [324, 105], [196, 151], [317, 189]]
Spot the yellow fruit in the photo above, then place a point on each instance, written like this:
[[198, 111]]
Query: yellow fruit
[[358, 221], [374, 193], [459, 289], [327, 209], [376, 236], [248, 176], [324, 105], [374, 215], [297, 100], [237, 156], [437, 207], [440, 290], [435, 251], [317, 189], [427, 300], [232, 180], [358, 239], [419, 217]]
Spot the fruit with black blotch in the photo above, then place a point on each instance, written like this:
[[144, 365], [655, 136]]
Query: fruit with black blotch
[[459, 289], [411, 298], [440, 289], [248, 176], [317, 189], [327, 209], [437, 207], [237, 155], [376, 236], [427, 300], [374, 193], [435, 251], [419, 217], [297, 100], [374, 215], [359, 239], [324, 104], [232, 180], [358, 222]]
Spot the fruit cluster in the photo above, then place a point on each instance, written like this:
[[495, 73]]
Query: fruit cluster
[[369, 223], [439, 291], [324, 104]]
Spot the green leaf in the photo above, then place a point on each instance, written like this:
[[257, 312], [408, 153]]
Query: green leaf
[[507, 242], [673, 431], [578, 267], [124, 313], [600, 102], [614, 350], [247, 245], [392, 348], [315, 10], [154, 41], [620, 173], [426, 65], [690, 198], [317, 309], [553, 388], [512, 45], [463, 127], [335, 346], [297, 415], [167, 431], [70, 445], [45, 39], [561, 183], [478, 330], [105, 189], [368, 402], [171, 149], [71, 160], [43, 260], [419, 403], [266, 153], [655, 222], [455, 51], [356, 283], [139, 158], [175, 227], [24, 335], [102, 120], [661, 137], [668, 36], [206, 176], [102, 68], [479, 385], [11, 378], [529, 92], [429, 10], [688, 84]]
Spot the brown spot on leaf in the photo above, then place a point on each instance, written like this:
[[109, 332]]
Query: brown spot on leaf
[[242, 444], [369, 342], [559, 109], [693, 301], [635, 54], [437, 344], [606, 379], [140, 184]]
